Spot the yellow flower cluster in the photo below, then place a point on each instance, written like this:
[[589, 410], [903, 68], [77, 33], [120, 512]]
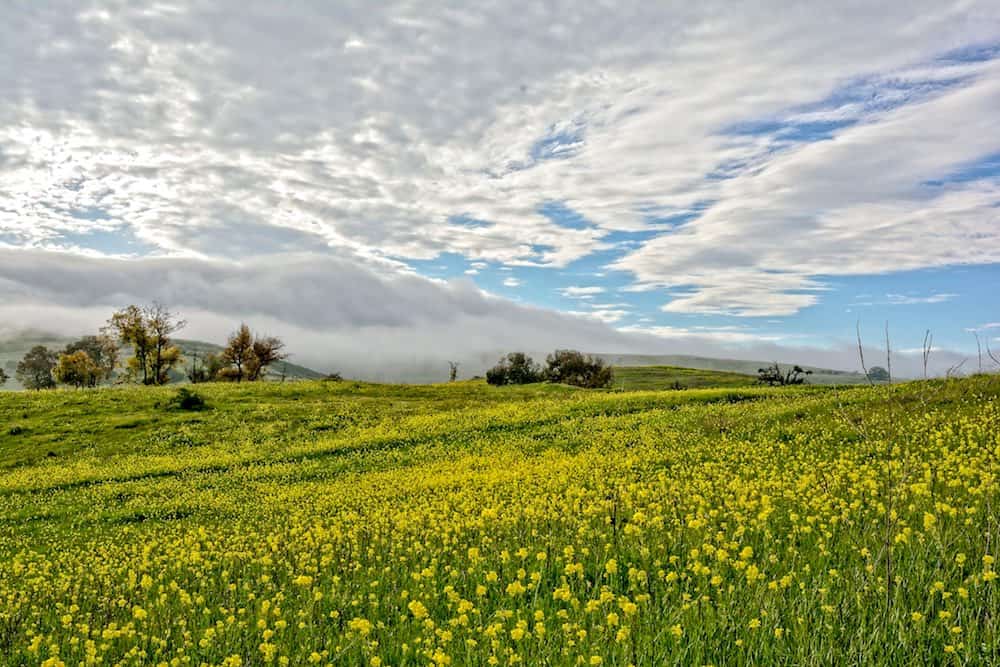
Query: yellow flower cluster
[[716, 527]]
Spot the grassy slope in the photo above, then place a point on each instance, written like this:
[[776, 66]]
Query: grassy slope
[[116, 420], [744, 366], [367, 491], [635, 378]]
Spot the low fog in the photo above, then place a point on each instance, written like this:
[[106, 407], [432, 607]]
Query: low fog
[[369, 320]]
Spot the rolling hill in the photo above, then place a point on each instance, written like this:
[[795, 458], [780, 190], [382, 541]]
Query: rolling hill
[[640, 378], [740, 366]]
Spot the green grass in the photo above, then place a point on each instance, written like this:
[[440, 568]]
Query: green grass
[[633, 378], [116, 420], [343, 523], [823, 376]]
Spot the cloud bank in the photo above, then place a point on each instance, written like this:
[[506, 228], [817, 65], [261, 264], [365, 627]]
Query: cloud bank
[[363, 319], [729, 161]]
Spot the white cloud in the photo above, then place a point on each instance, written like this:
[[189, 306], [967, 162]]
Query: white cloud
[[511, 282], [224, 130], [578, 292], [719, 335], [608, 315], [907, 299]]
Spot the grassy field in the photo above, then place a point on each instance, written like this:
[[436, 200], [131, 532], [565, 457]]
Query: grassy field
[[357, 524], [632, 378], [825, 376]]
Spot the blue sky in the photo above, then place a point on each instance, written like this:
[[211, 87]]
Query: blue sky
[[717, 179]]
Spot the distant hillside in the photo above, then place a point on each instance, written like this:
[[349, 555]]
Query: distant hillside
[[744, 366], [15, 346], [637, 378]]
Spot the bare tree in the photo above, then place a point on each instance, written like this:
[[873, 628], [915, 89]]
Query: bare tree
[[928, 344], [265, 351], [954, 370], [979, 350], [989, 352], [248, 356], [452, 371], [888, 352], [861, 355]]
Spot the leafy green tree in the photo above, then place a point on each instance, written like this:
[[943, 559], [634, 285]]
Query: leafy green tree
[[514, 368], [34, 371], [77, 369], [149, 332], [238, 354], [103, 352], [205, 368], [878, 374], [574, 368]]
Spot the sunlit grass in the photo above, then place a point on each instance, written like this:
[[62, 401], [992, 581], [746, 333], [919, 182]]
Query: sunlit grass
[[469, 525]]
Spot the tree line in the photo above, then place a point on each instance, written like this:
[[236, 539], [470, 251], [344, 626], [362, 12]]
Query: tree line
[[146, 333], [561, 367]]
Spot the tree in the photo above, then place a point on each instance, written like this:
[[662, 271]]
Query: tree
[[209, 369], [247, 357], [773, 376], [3, 377], [514, 368], [878, 374], [266, 351], [453, 371], [103, 352], [162, 325], [148, 331], [35, 370], [77, 369], [237, 354], [574, 368]]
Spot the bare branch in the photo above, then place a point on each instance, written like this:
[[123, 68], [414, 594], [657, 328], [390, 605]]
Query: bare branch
[[861, 354], [979, 350], [888, 352], [990, 353], [928, 343]]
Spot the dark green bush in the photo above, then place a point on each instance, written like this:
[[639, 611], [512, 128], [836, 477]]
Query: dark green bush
[[185, 399], [514, 368]]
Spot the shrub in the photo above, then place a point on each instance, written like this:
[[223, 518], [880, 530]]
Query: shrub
[[774, 377], [514, 368], [185, 399], [574, 368]]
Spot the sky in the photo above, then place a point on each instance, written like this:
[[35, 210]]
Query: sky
[[405, 182]]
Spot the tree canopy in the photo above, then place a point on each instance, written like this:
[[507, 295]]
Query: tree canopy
[[247, 356], [34, 371], [148, 330], [575, 368], [514, 368]]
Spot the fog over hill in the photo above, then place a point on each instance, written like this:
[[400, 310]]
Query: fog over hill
[[379, 356]]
